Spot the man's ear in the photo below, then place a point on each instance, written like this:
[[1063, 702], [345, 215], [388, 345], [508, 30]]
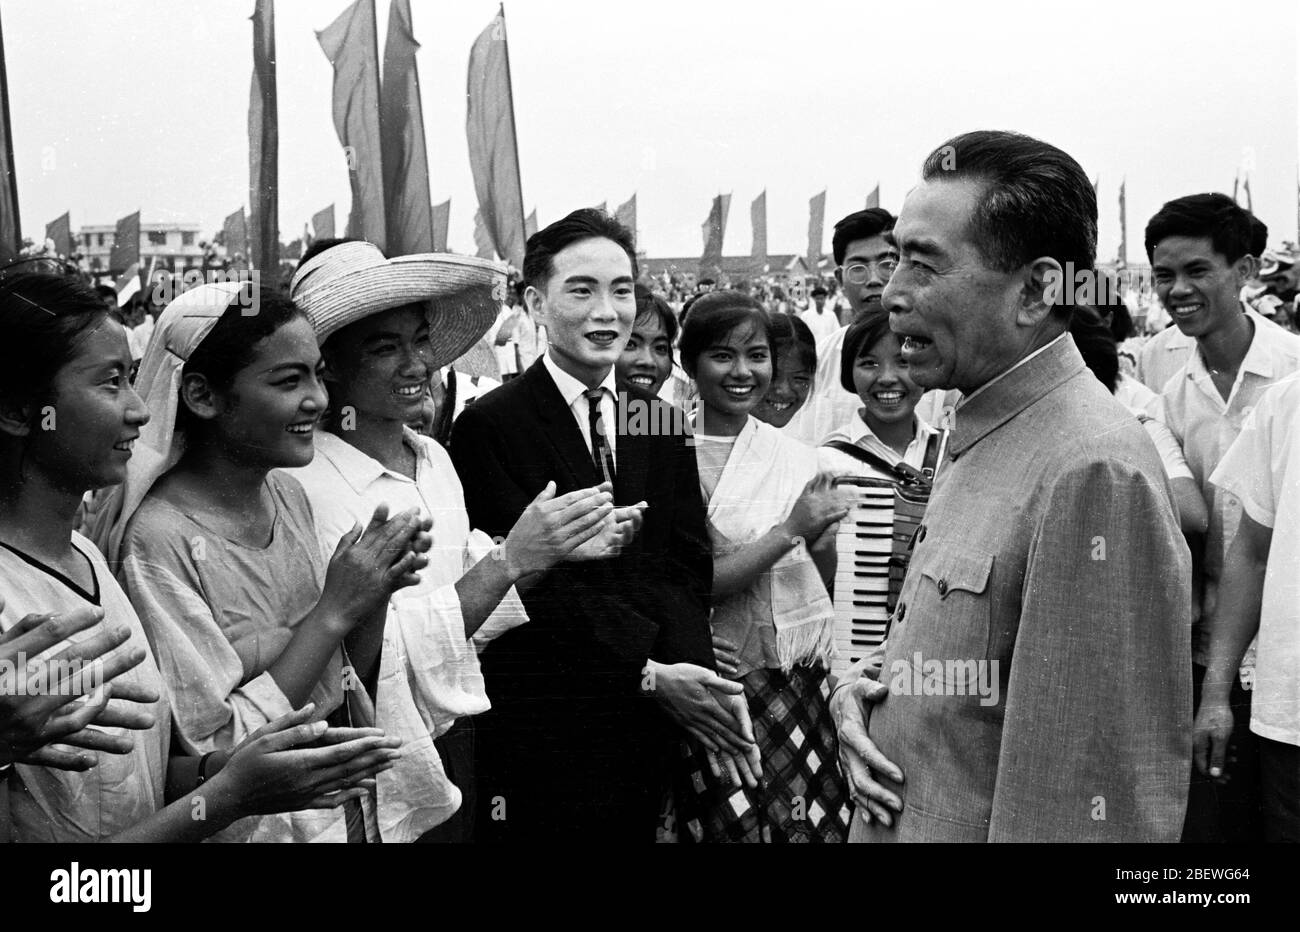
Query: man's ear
[[200, 397], [1245, 268], [1043, 288], [535, 301], [839, 276], [15, 419]]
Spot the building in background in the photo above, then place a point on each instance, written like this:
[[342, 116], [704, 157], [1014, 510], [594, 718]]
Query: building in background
[[174, 246]]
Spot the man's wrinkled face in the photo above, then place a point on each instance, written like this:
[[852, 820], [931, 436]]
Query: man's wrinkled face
[[956, 315]]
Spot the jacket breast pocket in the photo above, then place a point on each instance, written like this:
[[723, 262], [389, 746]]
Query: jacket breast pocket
[[946, 607]]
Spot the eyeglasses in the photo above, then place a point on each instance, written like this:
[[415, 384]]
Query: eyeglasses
[[860, 272]]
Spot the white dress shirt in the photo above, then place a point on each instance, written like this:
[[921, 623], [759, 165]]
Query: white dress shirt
[[574, 394]]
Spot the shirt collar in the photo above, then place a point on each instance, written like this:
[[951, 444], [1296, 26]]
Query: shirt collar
[[1261, 355], [1002, 398], [361, 470], [570, 388]]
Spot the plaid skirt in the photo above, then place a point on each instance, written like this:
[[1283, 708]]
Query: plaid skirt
[[802, 797]]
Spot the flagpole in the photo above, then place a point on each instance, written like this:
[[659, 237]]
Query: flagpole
[[510, 89], [8, 157], [419, 104]]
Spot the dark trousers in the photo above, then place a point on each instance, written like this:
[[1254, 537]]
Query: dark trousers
[[1280, 770], [456, 748], [1227, 812]]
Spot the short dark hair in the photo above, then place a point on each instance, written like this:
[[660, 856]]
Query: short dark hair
[[1203, 216], [1037, 200], [43, 317], [1096, 345], [785, 331], [585, 223], [1258, 236], [863, 333], [649, 304], [232, 343], [861, 224], [714, 316]]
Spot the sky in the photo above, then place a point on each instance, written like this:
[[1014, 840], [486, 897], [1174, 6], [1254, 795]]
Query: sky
[[143, 104]]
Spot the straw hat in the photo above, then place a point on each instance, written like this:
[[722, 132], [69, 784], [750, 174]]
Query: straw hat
[[352, 281]]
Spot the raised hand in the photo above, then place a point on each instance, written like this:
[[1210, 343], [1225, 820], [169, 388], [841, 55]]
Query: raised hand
[[30, 724], [818, 507], [369, 566], [290, 764], [551, 528]]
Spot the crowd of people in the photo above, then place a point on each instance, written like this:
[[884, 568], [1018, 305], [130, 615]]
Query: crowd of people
[[414, 552]]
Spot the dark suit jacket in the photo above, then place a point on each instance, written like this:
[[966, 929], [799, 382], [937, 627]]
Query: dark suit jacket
[[565, 686]]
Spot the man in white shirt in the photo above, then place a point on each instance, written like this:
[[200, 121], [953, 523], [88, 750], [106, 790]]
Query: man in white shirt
[[1199, 247], [1259, 592], [819, 318]]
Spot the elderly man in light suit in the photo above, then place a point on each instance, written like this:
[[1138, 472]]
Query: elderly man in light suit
[[1035, 683]]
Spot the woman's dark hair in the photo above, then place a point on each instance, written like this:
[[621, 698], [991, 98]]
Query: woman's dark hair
[[863, 334], [43, 317], [786, 331], [648, 304], [232, 343], [1096, 344], [714, 316]]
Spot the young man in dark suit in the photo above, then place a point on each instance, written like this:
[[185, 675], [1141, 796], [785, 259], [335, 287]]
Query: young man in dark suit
[[577, 743]]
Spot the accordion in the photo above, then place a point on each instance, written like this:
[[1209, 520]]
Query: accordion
[[873, 548]]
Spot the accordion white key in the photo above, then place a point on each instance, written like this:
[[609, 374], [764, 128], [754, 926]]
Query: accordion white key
[[864, 545]]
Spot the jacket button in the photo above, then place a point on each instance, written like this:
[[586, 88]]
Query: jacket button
[[943, 587], [920, 533], [901, 610]]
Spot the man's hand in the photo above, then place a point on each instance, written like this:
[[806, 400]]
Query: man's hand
[[616, 532], [551, 529], [736, 769], [859, 757], [1210, 735], [703, 703]]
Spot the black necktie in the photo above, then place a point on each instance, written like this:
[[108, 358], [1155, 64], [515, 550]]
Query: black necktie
[[601, 455]]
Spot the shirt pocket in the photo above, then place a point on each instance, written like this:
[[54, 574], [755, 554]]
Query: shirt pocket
[[946, 610]]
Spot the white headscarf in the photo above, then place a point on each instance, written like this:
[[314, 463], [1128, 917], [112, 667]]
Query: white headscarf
[[179, 330]]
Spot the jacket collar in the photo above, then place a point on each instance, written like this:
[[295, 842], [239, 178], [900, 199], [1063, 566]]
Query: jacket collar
[[1013, 392]]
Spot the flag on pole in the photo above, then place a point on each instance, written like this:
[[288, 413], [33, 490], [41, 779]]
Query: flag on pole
[[1245, 186], [11, 236], [60, 231], [1096, 187], [322, 223], [530, 223], [234, 233], [482, 238], [350, 44], [758, 222], [401, 121], [873, 199], [715, 229], [1236, 179], [603, 207], [626, 215], [493, 145], [126, 243], [816, 228], [1123, 223], [263, 144], [441, 216]]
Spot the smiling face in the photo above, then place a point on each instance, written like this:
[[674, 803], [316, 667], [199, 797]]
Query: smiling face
[[587, 306], [789, 388], [959, 318], [883, 382], [269, 414], [732, 375], [380, 365], [85, 442], [647, 360], [1199, 287]]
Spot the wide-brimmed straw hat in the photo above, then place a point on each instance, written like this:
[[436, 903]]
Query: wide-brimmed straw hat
[[352, 281]]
